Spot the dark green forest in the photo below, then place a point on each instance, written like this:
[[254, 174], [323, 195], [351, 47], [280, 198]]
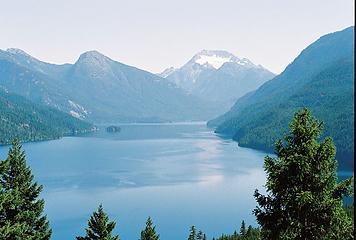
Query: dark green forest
[[323, 96], [22, 119], [320, 78]]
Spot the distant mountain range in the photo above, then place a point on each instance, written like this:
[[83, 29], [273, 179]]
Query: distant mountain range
[[22, 119], [37, 98], [99, 89], [218, 77], [320, 78]]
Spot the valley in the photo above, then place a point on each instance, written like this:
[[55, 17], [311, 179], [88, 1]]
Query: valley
[[177, 120]]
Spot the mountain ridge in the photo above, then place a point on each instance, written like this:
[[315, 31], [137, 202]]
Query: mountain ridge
[[259, 117], [98, 88], [218, 76]]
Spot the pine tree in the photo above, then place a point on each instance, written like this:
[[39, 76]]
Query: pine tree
[[249, 231], [304, 200], [99, 227], [149, 233], [201, 235], [252, 233], [193, 233], [243, 229], [21, 210]]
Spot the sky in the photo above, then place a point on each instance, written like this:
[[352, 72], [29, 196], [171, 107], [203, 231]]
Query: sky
[[157, 34]]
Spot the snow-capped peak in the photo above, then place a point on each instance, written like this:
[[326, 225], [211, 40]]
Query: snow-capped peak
[[212, 58], [214, 61], [217, 58]]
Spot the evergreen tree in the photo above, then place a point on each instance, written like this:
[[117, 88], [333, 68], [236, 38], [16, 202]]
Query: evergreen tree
[[149, 233], [304, 200], [350, 210], [201, 235], [99, 227], [252, 233], [193, 233], [21, 210], [243, 229], [249, 231]]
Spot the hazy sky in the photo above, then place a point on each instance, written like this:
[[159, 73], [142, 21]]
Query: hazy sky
[[156, 34]]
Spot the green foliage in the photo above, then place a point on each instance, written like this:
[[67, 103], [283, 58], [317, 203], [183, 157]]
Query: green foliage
[[22, 119], [304, 200], [245, 234], [99, 227], [149, 233], [350, 211], [192, 233], [321, 78], [21, 210], [252, 233], [329, 94], [201, 235], [243, 230]]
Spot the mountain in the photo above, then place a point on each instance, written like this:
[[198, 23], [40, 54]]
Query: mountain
[[35, 80], [167, 72], [320, 78], [20, 118], [218, 76], [99, 89]]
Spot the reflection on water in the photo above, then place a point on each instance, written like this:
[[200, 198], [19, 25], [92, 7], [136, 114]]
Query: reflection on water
[[179, 174]]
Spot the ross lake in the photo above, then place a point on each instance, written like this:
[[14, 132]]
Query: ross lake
[[180, 174]]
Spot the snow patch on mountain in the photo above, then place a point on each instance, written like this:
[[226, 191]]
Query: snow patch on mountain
[[217, 58], [215, 61], [217, 75], [75, 114], [77, 111]]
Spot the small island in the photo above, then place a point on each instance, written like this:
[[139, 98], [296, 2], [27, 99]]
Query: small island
[[113, 129]]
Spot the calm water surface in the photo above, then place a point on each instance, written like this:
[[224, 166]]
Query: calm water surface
[[179, 174]]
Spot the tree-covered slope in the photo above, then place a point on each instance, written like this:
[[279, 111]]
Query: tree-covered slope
[[321, 78], [20, 118]]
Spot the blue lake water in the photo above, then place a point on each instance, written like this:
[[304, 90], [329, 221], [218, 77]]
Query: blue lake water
[[179, 174]]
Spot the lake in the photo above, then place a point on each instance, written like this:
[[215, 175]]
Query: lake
[[180, 174]]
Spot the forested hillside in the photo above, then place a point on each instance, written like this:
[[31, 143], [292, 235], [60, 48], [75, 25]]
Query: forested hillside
[[320, 78], [20, 118]]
